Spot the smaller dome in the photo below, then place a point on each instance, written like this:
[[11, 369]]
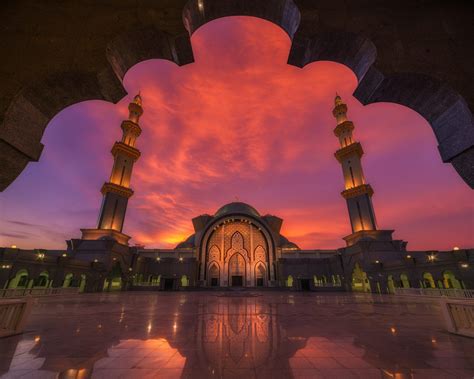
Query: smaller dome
[[237, 208]]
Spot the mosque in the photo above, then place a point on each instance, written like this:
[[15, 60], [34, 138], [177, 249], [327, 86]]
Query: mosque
[[236, 246]]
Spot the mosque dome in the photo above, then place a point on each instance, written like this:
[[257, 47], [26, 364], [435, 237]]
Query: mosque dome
[[237, 208]]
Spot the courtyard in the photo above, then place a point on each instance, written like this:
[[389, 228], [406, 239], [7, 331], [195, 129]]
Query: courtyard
[[235, 334]]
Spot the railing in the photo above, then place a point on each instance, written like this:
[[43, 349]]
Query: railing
[[13, 315], [459, 316], [335, 285], [21, 292], [436, 292]]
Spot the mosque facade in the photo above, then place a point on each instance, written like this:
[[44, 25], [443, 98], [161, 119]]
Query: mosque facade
[[236, 247]]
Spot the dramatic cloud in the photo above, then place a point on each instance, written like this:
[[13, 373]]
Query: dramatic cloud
[[240, 123]]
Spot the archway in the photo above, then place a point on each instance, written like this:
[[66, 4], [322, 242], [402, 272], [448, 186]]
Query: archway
[[260, 275], [67, 280], [237, 271], [405, 282], [184, 281], [20, 280], [360, 281], [42, 280], [390, 284], [82, 285], [114, 281], [214, 275], [26, 113], [428, 281], [450, 281]]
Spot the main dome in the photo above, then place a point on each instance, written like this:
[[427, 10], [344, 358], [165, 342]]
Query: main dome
[[237, 208]]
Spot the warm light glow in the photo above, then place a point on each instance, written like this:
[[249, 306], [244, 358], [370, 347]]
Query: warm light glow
[[158, 259], [180, 259], [393, 330], [408, 256], [431, 257], [433, 340], [377, 261], [64, 255], [464, 265], [37, 339], [95, 260], [267, 148], [13, 246], [455, 248]]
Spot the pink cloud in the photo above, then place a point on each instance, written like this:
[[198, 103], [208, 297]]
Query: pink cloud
[[241, 122]]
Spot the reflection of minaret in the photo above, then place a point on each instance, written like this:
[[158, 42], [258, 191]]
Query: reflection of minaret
[[357, 192], [117, 191]]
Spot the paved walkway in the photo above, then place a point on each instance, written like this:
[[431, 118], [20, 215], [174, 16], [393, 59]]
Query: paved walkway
[[214, 335]]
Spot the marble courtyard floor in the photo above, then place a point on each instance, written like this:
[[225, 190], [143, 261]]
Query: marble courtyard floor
[[235, 335]]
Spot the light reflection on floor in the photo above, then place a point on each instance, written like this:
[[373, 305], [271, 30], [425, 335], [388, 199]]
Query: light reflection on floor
[[213, 335]]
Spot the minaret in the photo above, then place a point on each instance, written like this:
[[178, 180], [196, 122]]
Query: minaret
[[357, 192], [117, 191]]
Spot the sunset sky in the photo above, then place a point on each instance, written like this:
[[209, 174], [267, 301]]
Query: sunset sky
[[239, 123]]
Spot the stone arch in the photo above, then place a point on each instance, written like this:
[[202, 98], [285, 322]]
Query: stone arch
[[28, 111], [260, 274], [68, 278], [404, 280], [20, 280], [237, 267], [184, 281], [42, 280], [214, 274], [83, 283], [260, 254], [390, 284], [214, 253], [428, 280], [283, 13], [450, 280], [360, 281]]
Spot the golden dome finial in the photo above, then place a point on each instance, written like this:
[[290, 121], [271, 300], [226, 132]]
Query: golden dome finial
[[337, 99]]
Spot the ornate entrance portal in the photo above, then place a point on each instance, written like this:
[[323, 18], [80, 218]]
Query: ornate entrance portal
[[237, 254]]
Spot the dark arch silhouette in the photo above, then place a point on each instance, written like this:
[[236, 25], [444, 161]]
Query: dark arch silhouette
[[31, 109]]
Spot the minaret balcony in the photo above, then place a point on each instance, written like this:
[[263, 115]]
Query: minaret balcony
[[348, 151], [346, 126], [122, 148], [115, 188], [357, 191]]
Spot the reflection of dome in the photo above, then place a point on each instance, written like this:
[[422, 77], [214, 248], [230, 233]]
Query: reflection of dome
[[237, 208]]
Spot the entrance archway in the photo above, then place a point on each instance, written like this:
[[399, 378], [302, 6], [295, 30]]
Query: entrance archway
[[237, 272], [360, 281], [260, 274], [214, 275]]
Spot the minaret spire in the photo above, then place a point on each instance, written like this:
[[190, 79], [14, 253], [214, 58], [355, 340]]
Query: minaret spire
[[357, 192], [117, 191]]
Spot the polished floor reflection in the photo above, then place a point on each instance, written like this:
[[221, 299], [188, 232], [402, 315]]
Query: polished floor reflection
[[235, 335]]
